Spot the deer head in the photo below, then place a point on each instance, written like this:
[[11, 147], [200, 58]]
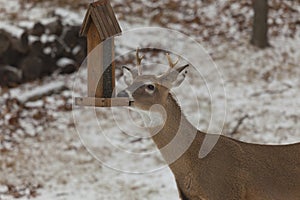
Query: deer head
[[149, 90]]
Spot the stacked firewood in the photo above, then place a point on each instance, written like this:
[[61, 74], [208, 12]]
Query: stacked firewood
[[28, 54]]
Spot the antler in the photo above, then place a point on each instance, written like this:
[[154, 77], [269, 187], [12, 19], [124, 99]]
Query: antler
[[171, 63], [139, 61]]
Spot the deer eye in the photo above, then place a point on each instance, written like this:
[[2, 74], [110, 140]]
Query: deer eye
[[150, 87]]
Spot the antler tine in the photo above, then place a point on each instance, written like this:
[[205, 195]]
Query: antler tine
[[139, 61], [171, 63]]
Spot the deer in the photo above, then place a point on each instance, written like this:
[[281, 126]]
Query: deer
[[233, 170]]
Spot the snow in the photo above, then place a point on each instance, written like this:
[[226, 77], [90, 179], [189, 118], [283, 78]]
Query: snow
[[263, 84], [76, 50], [48, 38], [26, 24], [64, 61], [35, 104], [47, 21], [3, 188], [37, 92], [47, 50], [69, 16], [13, 30], [32, 39]]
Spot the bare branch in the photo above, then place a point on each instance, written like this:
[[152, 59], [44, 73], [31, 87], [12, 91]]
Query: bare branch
[[238, 124]]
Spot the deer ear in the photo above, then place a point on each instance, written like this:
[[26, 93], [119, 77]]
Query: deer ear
[[181, 74], [128, 77], [175, 77]]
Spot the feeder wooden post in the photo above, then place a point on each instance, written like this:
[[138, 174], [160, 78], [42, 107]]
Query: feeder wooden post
[[100, 26], [94, 63], [101, 66]]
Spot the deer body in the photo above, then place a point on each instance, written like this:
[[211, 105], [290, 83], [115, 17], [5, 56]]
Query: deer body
[[233, 170]]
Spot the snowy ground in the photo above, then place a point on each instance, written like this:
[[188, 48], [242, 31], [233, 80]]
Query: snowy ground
[[48, 160]]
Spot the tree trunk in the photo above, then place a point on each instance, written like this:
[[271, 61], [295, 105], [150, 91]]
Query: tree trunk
[[260, 24]]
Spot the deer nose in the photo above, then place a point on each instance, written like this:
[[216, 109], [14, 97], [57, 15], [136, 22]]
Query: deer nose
[[123, 93]]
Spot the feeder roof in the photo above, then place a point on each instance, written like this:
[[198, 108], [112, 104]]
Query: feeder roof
[[102, 15]]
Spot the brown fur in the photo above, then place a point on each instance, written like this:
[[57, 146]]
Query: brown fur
[[233, 170]]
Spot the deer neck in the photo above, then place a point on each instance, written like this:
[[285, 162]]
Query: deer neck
[[177, 135]]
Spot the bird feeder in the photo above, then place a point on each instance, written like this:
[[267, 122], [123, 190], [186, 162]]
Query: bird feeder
[[100, 25]]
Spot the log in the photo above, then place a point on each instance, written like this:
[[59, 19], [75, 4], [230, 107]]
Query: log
[[49, 65], [4, 42], [36, 48], [20, 43], [56, 49], [70, 36], [54, 28], [79, 54], [38, 29], [32, 68], [12, 30], [18, 47], [10, 76], [66, 66], [12, 57], [68, 69]]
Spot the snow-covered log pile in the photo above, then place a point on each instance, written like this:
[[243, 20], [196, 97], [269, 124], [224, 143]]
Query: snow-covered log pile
[[31, 51]]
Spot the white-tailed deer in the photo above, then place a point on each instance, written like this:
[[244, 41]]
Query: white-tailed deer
[[233, 170]]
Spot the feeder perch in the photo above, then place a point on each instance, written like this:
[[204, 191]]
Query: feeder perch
[[100, 25]]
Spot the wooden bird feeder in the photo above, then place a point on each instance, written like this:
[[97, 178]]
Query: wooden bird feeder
[[100, 25]]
